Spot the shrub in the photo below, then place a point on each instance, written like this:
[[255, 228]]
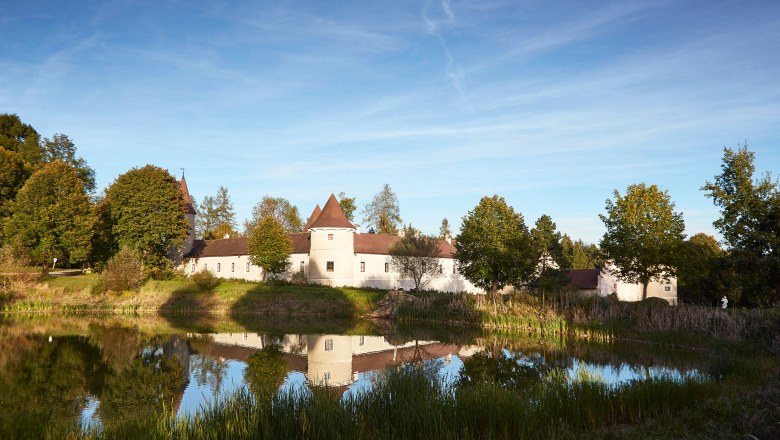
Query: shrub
[[299, 278], [124, 271], [14, 270], [205, 280]]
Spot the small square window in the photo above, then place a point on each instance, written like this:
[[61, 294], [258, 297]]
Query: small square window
[[330, 236], [667, 288], [219, 267], [329, 345], [329, 266], [362, 266], [387, 267]]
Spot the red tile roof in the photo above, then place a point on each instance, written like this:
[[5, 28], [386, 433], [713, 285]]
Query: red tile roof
[[312, 218], [227, 247], [380, 244], [584, 278], [332, 216]]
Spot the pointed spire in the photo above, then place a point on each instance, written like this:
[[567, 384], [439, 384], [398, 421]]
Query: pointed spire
[[185, 192], [312, 218], [332, 216]]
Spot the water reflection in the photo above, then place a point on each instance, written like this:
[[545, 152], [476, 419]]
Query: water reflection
[[105, 374]]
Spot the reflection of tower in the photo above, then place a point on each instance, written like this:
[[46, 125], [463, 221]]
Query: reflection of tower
[[329, 360], [179, 349]]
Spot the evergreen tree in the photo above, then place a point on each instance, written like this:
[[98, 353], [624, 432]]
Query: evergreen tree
[[144, 210], [551, 266], [444, 229], [216, 216], [52, 216], [644, 234], [581, 255]]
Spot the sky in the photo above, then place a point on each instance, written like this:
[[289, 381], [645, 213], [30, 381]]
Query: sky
[[551, 104]]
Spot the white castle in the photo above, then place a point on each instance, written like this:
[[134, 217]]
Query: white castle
[[331, 251]]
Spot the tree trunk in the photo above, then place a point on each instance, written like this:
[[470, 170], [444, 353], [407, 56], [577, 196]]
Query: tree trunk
[[45, 269], [494, 291], [644, 290]]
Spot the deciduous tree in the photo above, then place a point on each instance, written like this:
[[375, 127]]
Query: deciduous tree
[[383, 213], [60, 147], [416, 256], [52, 216], [551, 266], [644, 234], [269, 246], [145, 211], [21, 138], [348, 206], [750, 224], [279, 209], [494, 247]]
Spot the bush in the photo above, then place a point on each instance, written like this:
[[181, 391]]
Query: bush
[[205, 280], [299, 278], [124, 271], [164, 274], [15, 272]]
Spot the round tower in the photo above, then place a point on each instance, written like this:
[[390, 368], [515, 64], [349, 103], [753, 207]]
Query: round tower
[[332, 251]]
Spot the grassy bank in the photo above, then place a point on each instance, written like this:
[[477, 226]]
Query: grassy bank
[[229, 298]]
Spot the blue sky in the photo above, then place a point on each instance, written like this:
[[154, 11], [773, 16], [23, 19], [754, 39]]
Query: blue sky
[[552, 105]]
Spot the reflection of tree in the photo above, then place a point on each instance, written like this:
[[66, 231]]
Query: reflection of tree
[[46, 384], [265, 371], [511, 370], [209, 371], [142, 388], [118, 345]]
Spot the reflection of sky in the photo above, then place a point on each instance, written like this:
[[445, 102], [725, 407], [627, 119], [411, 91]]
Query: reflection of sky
[[609, 374], [196, 396]]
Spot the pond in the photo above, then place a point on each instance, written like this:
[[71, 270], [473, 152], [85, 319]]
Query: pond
[[95, 371]]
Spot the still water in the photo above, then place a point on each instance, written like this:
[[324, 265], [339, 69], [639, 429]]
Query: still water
[[94, 371]]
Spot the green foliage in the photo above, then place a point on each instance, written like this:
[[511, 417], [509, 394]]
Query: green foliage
[[124, 271], [216, 216], [269, 246], [580, 255], [52, 216], [444, 229], [61, 148], [21, 138], [644, 234], [265, 372], [383, 213], [13, 174], [750, 224], [552, 265], [280, 210], [494, 246], [144, 209], [348, 205], [205, 280], [416, 256], [704, 272]]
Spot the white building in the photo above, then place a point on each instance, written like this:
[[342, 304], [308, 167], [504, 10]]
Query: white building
[[604, 282], [331, 251]]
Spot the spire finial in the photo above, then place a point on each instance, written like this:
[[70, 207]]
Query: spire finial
[[182, 172]]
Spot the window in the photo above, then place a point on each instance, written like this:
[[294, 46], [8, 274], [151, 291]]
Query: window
[[205, 266], [232, 267], [330, 236], [193, 268], [329, 345], [387, 267], [247, 266], [301, 266], [326, 376], [362, 266], [441, 269], [424, 266], [667, 288], [219, 267], [362, 340], [454, 268], [329, 266]]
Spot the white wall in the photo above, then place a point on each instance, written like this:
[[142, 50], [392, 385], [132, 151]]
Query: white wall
[[336, 245], [376, 277]]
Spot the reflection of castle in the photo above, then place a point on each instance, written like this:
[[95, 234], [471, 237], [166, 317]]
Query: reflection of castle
[[333, 360]]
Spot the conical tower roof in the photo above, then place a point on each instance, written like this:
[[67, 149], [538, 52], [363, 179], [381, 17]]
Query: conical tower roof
[[313, 217], [185, 192], [332, 216]]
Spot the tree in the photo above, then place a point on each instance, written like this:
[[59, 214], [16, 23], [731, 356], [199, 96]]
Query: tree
[[52, 216], [13, 174], [144, 210], [269, 246], [580, 255], [265, 372], [494, 247], [279, 209], [60, 147], [551, 267], [21, 138], [704, 275], [750, 224], [644, 234], [444, 229], [416, 256], [216, 216], [348, 206], [383, 213]]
